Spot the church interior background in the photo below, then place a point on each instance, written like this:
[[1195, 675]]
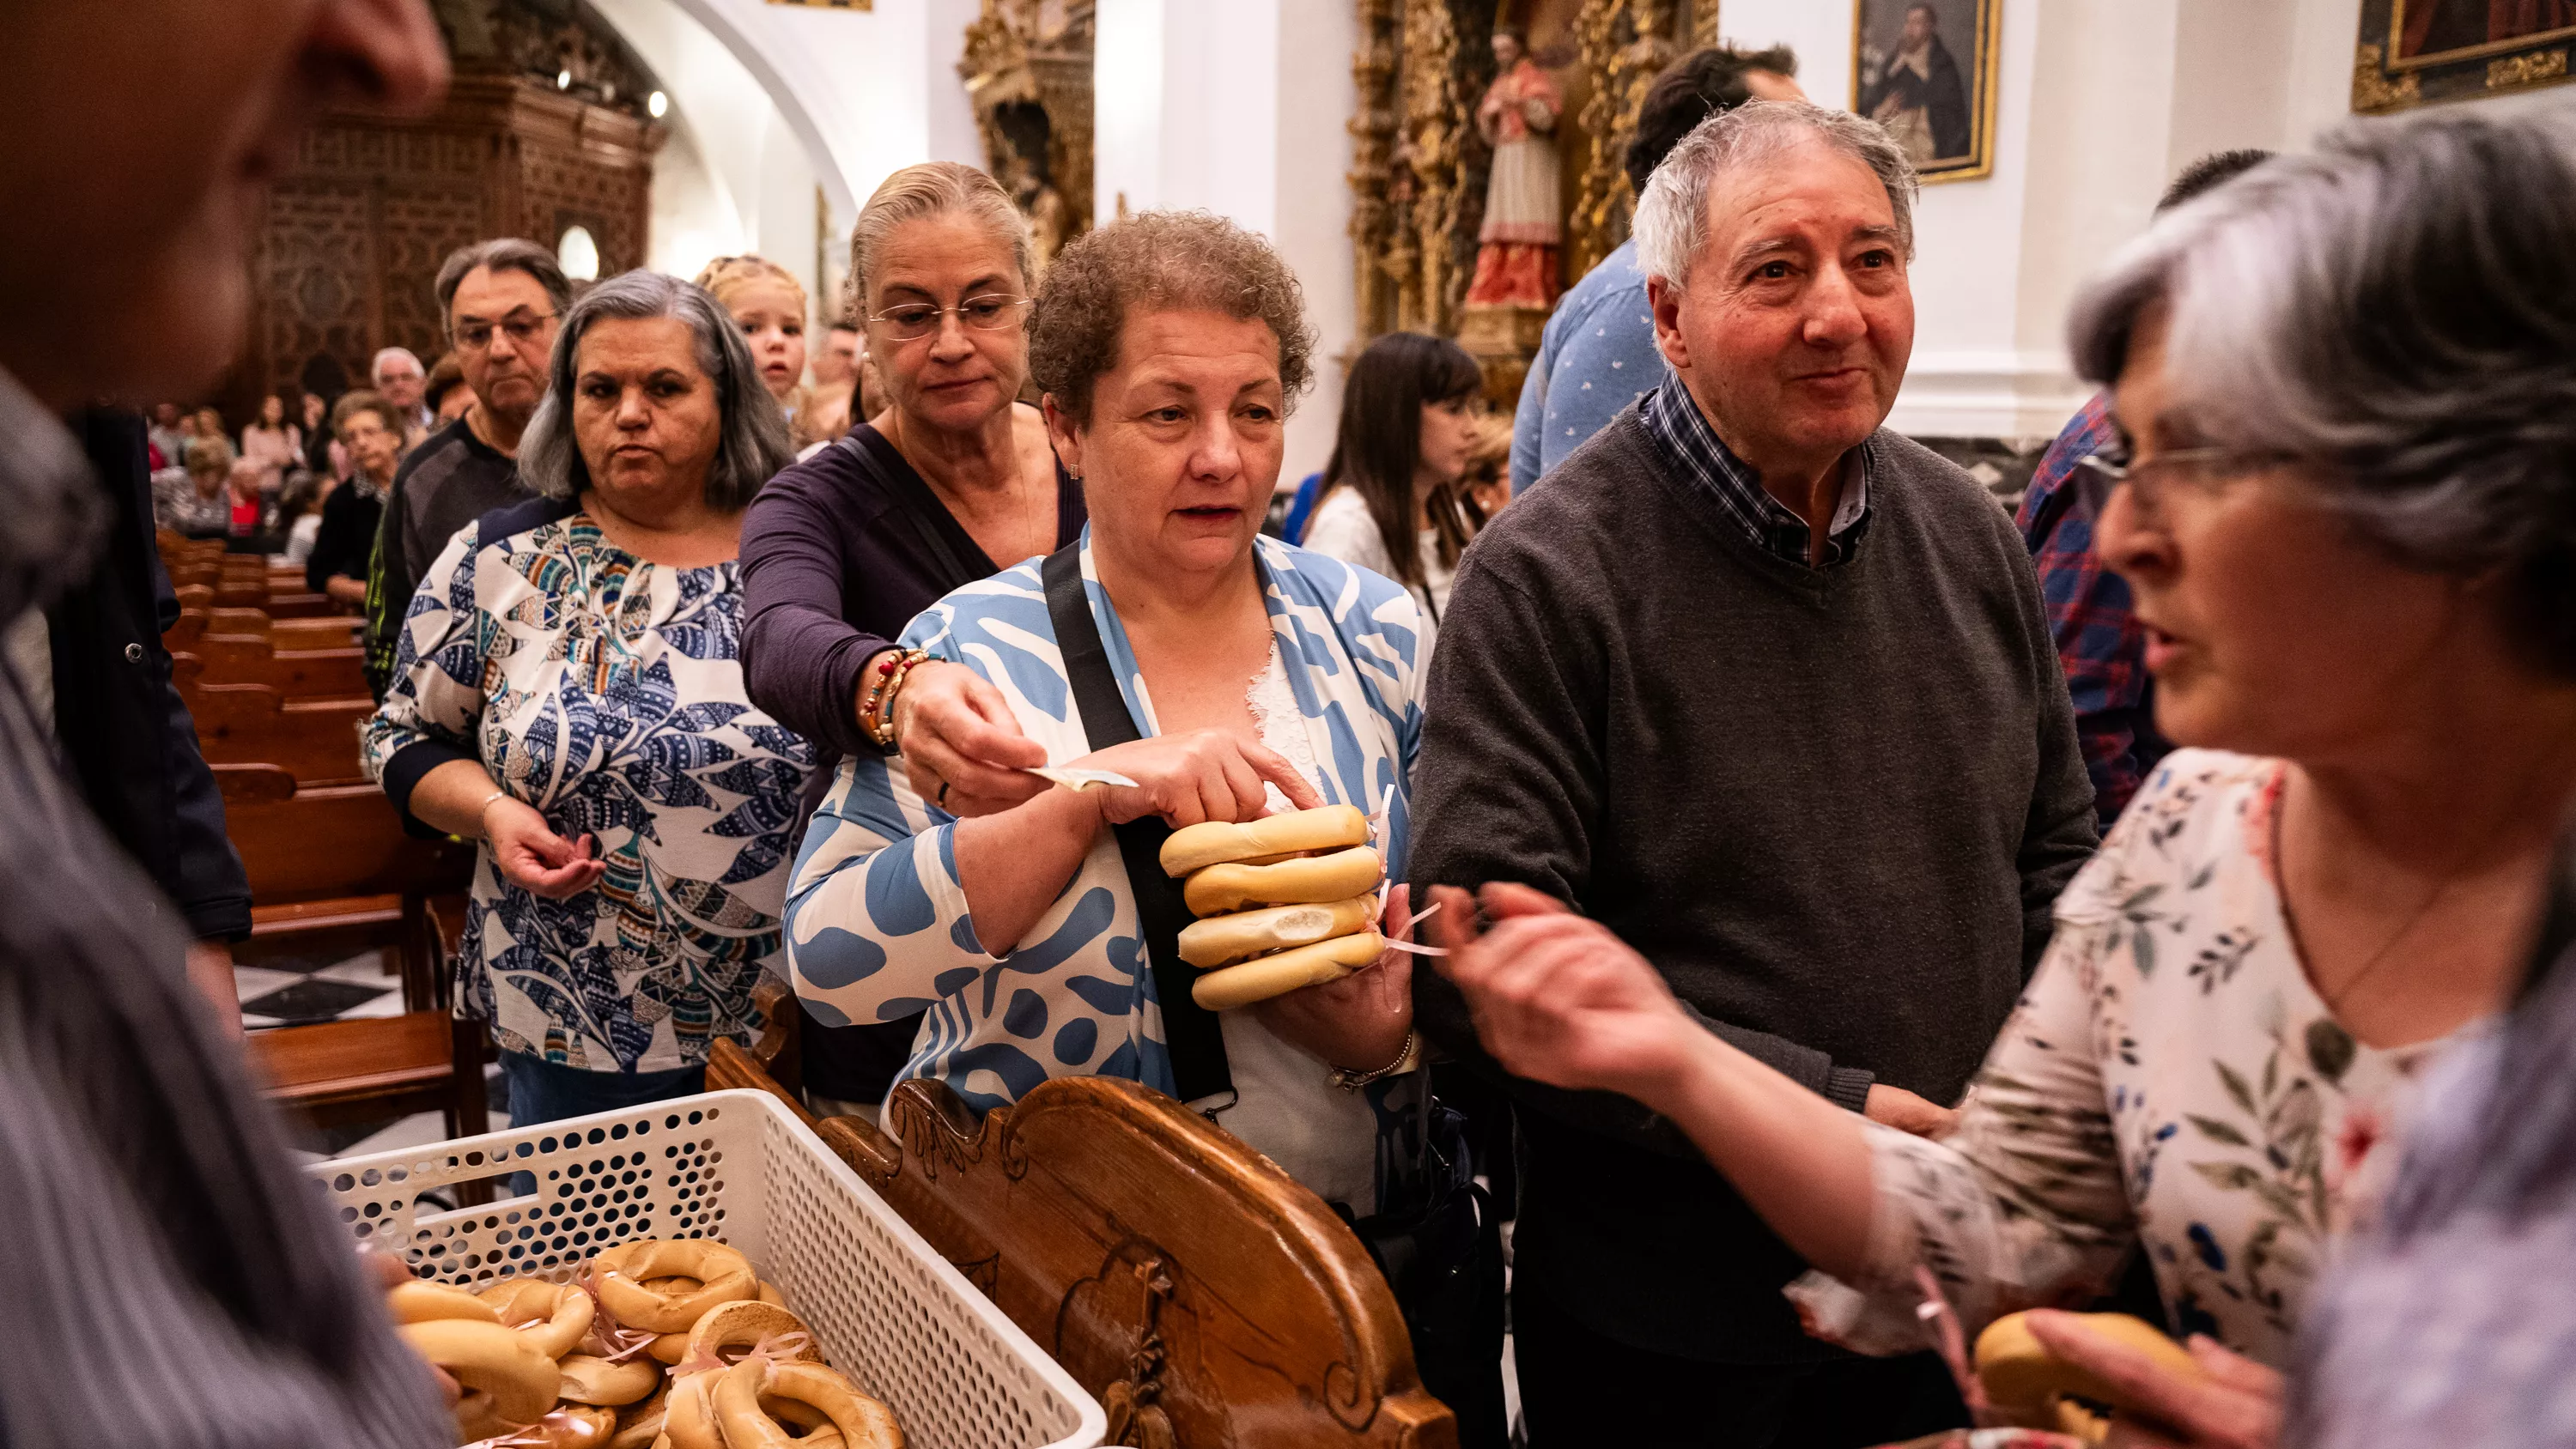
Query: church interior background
[[1366, 138]]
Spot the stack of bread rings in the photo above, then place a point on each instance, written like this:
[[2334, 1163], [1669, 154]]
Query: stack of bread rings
[[663, 1344], [1283, 902], [2031, 1385]]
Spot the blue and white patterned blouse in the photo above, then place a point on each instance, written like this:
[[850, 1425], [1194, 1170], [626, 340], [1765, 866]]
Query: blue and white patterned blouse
[[877, 923], [605, 691]]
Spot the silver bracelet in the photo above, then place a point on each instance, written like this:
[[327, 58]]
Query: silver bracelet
[[1405, 1060], [479, 810]]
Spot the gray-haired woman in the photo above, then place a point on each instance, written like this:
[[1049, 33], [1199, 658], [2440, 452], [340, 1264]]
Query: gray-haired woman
[[2346, 497], [566, 691]]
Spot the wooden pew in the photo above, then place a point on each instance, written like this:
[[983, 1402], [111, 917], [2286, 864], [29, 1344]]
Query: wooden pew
[[251, 659], [1201, 1294], [327, 841], [314, 740], [370, 1068], [339, 632]]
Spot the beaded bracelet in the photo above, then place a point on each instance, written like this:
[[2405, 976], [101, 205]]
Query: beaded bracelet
[[876, 716]]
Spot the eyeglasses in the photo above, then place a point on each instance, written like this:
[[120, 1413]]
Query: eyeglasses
[[519, 327], [989, 313], [2098, 476]]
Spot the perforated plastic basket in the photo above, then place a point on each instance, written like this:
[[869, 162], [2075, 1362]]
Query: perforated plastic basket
[[738, 1167]]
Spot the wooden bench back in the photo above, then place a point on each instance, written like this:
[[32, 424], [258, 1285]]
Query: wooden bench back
[[315, 740], [1198, 1291], [327, 841]]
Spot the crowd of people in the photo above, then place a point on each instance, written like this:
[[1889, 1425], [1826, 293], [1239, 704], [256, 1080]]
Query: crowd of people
[[1852, 913]]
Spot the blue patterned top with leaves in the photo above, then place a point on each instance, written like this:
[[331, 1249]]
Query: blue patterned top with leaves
[[606, 691]]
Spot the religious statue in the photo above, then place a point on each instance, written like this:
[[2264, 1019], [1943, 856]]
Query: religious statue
[[1516, 262], [1050, 220], [1916, 92]]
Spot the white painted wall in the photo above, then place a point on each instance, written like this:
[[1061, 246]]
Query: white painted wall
[[1238, 107], [2102, 101]]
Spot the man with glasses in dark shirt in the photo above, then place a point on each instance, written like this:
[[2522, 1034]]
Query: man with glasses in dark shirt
[[500, 300]]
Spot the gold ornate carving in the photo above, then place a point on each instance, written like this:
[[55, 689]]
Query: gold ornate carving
[[1703, 24], [1373, 131], [2526, 69], [1624, 45], [2373, 90], [1027, 66], [1435, 129]]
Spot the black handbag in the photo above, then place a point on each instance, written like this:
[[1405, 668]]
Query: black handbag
[[1435, 1235]]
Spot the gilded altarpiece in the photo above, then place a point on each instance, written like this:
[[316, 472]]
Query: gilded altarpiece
[[1028, 71], [1420, 165]]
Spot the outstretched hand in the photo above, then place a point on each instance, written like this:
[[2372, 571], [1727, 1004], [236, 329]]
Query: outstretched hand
[[1559, 999], [2235, 1403]]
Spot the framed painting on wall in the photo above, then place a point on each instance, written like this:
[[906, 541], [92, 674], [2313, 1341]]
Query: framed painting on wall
[[2414, 51], [1925, 69]]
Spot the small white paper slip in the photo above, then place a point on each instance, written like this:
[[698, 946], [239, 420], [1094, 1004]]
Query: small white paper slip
[[1079, 780]]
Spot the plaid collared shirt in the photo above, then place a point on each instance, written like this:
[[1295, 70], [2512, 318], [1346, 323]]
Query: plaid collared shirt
[[2094, 620], [1675, 424]]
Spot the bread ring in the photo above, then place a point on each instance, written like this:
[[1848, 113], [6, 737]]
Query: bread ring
[[744, 1324], [618, 1275], [554, 1316], [670, 1348], [1264, 977], [1307, 880], [578, 1426], [589, 1380], [495, 1360], [418, 1300], [1217, 842], [688, 1419], [770, 1295], [864, 1423], [1224, 940], [2020, 1373], [639, 1424]]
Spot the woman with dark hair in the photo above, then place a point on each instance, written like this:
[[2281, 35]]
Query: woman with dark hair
[[1408, 424], [567, 690]]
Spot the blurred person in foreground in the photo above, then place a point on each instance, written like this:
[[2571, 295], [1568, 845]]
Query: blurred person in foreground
[[567, 691], [148, 1192], [2343, 491], [2100, 643], [500, 301], [1597, 355], [1767, 686]]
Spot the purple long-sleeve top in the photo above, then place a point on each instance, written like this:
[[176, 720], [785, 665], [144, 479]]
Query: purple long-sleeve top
[[838, 554]]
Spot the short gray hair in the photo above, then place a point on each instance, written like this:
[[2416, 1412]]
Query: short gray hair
[[2398, 312], [503, 254], [1672, 217], [754, 445], [376, 369]]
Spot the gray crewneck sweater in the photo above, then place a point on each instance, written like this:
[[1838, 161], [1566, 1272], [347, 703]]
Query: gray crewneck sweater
[[1833, 806]]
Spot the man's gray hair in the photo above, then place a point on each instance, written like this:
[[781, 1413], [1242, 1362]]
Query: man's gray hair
[[503, 254], [1672, 217], [2398, 312], [376, 368], [754, 445]]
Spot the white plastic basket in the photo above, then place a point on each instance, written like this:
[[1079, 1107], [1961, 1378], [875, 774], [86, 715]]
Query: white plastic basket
[[736, 1166]]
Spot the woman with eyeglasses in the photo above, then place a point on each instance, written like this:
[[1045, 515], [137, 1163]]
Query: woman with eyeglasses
[[952, 483], [2343, 496]]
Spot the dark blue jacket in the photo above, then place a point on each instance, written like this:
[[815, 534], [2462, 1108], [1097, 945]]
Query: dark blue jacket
[[126, 738]]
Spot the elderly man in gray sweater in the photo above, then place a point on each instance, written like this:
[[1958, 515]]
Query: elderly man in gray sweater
[[1768, 690]]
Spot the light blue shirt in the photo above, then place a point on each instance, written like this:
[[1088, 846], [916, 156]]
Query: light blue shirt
[[1596, 358], [877, 922]]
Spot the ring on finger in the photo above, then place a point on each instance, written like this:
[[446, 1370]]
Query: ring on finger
[[943, 794]]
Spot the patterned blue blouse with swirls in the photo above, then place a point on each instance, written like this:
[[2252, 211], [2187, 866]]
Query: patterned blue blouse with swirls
[[605, 691], [877, 923]]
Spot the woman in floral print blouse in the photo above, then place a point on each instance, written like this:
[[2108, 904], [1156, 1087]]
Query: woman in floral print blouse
[[567, 691], [2343, 497]]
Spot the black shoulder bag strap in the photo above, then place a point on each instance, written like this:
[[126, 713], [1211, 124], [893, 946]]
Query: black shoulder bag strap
[[1190, 1031]]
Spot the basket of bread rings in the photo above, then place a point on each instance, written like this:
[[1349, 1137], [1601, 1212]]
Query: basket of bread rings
[[700, 1273]]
